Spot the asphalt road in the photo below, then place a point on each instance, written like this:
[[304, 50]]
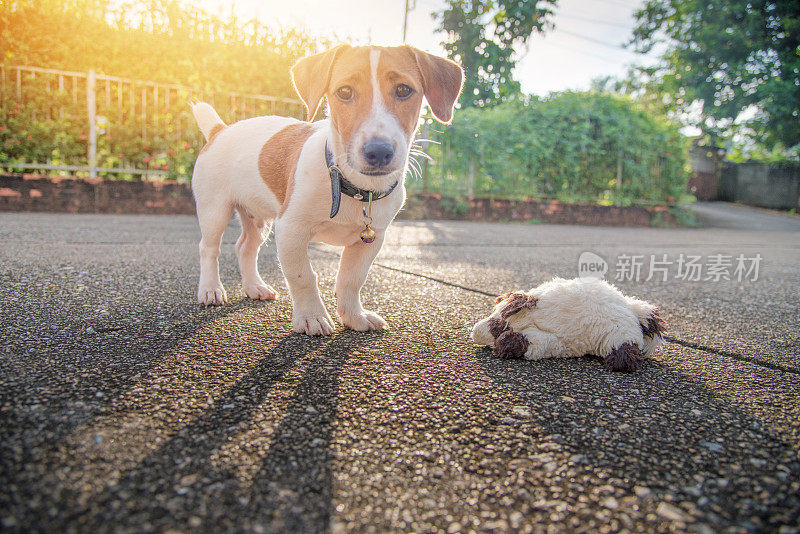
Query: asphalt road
[[740, 217], [126, 407]]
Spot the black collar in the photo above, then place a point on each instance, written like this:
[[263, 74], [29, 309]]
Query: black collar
[[340, 184]]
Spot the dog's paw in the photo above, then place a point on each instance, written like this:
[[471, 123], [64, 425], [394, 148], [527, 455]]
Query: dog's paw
[[364, 321], [212, 295], [313, 325], [260, 291]]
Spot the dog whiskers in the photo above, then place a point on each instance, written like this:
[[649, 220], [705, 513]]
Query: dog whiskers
[[415, 167], [421, 154]]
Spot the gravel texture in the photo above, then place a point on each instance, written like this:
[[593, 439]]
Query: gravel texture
[[126, 407]]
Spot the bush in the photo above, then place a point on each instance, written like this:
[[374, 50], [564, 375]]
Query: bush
[[567, 147], [163, 41]]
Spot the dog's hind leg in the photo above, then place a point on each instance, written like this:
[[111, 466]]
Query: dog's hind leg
[[213, 219], [543, 345], [254, 234], [621, 349]]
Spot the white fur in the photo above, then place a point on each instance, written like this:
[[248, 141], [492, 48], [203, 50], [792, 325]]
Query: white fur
[[380, 123], [226, 178], [206, 117], [574, 318]]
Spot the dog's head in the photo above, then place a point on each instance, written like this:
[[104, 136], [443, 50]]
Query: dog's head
[[374, 99], [502, 328]]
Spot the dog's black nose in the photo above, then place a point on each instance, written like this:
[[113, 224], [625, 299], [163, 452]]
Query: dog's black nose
[[378, 152]]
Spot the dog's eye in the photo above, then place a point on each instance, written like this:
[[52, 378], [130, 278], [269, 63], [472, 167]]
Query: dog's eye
[[345, 93], [403, 91]]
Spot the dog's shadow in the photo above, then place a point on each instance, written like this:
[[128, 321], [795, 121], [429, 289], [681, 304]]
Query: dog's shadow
[[262, 451]]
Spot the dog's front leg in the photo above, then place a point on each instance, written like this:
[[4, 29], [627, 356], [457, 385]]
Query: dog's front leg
[[308, 314], [353, 269]]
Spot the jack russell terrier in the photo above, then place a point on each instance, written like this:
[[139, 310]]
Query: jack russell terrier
[[294, 173]]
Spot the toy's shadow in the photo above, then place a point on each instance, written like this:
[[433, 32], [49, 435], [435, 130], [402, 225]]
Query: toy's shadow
[[656, 428]]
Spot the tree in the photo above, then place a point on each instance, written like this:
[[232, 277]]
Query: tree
[[483, 36], [739, 60]]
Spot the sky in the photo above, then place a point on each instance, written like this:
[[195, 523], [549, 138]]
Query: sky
[[585, 44]]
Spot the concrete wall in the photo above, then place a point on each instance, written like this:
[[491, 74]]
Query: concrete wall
[[765, 186]]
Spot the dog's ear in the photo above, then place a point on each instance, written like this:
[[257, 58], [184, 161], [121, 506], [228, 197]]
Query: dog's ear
[[311, 76], [442, 81], [516, 303], [654, 326]]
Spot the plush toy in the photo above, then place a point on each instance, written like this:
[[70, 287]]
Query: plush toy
[[566, 318]]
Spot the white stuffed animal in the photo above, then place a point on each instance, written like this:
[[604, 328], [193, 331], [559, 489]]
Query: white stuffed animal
[[567, 318]]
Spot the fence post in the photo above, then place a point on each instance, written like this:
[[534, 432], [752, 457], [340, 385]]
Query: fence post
[[425, 162], [471, 177], [91, 106], [619, 175]]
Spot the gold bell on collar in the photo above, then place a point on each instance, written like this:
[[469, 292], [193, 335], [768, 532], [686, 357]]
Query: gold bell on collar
[[368, 235]]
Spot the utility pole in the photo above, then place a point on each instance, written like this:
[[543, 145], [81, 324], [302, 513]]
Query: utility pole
[[410, 6]]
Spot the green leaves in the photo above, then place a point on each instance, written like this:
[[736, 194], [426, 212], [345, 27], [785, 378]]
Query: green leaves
[[483, 36], [567, 147], [739, 59], [163, 41]]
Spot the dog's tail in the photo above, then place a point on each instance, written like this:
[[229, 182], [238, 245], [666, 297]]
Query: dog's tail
[[653, 326], [207, 119]]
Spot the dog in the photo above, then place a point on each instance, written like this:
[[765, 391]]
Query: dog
[[338, 180], [568, 318]]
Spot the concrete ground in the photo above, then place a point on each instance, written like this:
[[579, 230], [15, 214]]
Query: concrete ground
[[124, 406], [741, 217]]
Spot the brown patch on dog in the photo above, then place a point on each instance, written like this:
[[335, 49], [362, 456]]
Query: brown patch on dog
[[215, 130], [497, 327], [626, 358], [510, 345], [442, 81], [396, 66], [655, 326], [352, 68], [311, 77], [516, 303], [277, 161]]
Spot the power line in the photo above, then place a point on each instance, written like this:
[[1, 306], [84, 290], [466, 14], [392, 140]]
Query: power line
[[623, 3], [606, 22], [586, 52], [410, 6], [597, 41]]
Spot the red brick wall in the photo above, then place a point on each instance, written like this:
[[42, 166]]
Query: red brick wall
[[432, 206], [27, 192]]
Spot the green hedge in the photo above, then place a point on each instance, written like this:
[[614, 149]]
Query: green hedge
[[165, 41], [567, 147]]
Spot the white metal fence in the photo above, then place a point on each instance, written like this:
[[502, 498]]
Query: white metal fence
[[122, 125]]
